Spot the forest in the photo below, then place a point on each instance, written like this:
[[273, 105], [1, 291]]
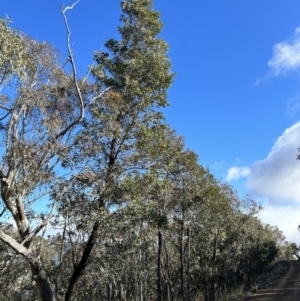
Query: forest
[[133, 214]]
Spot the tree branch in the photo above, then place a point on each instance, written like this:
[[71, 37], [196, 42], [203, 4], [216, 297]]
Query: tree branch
[[4, 209], [72, 62], [40, 226], [5, 108], [83, 262], [98, 96], [69, 7], [18, 248]]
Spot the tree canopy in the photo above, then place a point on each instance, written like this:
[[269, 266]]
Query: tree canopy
[[136, 216]]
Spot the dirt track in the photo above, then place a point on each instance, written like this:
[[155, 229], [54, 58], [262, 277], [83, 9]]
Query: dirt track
[[285, 288]]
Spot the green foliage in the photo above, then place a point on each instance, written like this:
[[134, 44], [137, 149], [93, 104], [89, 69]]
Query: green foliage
[[12, 52], [137, 66], [166, 229]]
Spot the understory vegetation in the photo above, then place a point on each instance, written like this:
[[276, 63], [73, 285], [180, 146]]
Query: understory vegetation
[[101, 199]]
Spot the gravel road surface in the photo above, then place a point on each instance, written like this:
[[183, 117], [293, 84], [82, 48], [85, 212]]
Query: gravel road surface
[[284, 288]]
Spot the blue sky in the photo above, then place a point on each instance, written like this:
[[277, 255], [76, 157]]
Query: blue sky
[[236, 95]]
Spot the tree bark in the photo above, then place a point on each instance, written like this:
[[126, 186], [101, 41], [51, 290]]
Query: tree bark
[[159, 294], [36, 266], [83, 262], [181, 256], [41, 281], [213, 280], [188, 264]]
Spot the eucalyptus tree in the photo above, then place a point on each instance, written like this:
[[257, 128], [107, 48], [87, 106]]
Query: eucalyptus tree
[[136, 70], [40, 106], [38, 128], [166, 226], [187, 180]]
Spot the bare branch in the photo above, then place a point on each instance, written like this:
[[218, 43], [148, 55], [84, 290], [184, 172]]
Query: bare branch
[[3, 211], [87, 75], [71, 59], [14, 244], [70, 7], [98, 96], [5, 108], [90, 70], [40, 226], [72, 62], [2, 118]]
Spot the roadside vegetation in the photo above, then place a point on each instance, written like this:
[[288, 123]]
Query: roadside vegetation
[[134, 214]]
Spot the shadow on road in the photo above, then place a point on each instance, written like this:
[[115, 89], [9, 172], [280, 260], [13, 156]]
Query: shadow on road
[[285, 288]]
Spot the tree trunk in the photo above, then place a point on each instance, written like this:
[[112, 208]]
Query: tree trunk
[[213, 280], [159, 293], [188, 265], [83, 262], [35, 263], [181, 258], [41, 281]]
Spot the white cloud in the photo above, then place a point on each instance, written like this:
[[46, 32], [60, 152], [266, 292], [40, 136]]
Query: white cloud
[[236, 172], [278, 176], [275, 183], [287, 218], [286, 55], [293, 105]]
